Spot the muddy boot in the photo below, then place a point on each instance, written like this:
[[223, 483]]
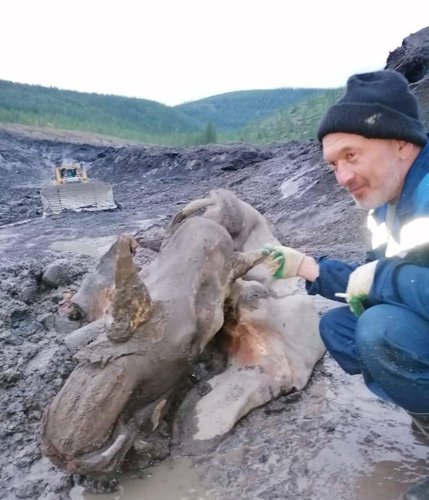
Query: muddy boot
[[421, 423], [418, 492]]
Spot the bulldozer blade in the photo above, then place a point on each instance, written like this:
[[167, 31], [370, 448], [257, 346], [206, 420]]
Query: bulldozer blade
[[93, 195]]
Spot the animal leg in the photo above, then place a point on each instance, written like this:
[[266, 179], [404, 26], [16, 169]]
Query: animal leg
[[245, 261], [202, 423]]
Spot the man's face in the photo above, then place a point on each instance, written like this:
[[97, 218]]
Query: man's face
[[370, 169]]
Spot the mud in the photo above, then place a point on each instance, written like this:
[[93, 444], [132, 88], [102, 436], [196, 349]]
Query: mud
[[334, 440]]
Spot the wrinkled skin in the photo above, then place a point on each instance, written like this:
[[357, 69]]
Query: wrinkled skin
[[270, 335], [153, 332]]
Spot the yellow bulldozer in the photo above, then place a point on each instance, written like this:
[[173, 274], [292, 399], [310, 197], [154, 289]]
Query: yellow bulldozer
[[72, 190]]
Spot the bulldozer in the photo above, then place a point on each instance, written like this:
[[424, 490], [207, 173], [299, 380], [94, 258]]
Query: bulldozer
[[71, 189]]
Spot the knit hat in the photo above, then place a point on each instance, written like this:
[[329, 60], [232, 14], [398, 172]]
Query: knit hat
[[376, 105]]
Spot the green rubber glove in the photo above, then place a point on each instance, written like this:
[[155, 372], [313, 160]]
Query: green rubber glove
[[356, 304], [283, 262], [359, 286]]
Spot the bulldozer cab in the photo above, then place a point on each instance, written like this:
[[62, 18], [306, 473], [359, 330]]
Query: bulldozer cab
[[69, 173], [72, 190]]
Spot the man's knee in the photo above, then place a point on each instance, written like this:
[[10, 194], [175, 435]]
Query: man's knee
[[332, 325], [370, 331], [392, 346], [385, 327], [337, 329], [385, 331]]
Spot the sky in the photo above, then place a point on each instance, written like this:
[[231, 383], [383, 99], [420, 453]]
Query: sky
[[175, 51]]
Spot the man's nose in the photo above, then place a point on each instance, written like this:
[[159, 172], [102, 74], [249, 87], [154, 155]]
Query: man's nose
[[344, 175]]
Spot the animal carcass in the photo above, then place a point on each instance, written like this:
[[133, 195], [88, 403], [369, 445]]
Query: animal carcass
[[152, 332], [270, 334]]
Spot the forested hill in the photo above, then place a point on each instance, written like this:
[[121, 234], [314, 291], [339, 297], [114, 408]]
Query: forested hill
[[131, 118], [296, 122], [225, 117], [236, 109]]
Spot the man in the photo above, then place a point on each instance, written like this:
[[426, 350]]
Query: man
[[377, 147]]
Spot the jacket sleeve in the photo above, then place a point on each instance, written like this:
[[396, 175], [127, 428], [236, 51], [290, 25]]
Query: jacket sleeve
[[400, 282], [333, 278]]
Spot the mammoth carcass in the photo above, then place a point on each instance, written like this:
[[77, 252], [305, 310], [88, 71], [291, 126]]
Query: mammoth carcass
[[207, 279]]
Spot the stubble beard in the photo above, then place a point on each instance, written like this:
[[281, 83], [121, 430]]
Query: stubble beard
[[387, 193]]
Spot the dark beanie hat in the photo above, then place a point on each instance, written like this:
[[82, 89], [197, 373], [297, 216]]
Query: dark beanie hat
[[376, 105]]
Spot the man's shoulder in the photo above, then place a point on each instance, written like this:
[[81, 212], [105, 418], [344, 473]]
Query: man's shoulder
[[421, 201]]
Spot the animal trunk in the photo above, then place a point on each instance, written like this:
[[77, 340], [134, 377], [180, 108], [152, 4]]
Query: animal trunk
[[188, 210]]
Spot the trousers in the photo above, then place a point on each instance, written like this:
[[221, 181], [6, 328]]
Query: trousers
[[388, 345]]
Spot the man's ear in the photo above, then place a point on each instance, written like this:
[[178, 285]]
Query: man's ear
[[407, 150]]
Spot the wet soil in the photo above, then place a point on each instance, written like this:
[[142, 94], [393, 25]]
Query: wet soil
[[334, 440]]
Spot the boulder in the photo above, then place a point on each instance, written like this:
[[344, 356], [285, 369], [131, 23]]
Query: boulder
[[412, 60]]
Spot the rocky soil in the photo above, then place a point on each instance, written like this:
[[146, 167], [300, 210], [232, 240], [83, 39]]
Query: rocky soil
[[335, 440]]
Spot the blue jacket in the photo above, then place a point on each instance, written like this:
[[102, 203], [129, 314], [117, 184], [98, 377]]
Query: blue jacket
[[400, 243]]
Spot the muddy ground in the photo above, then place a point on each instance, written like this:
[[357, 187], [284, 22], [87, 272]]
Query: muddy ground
[[334, 440]]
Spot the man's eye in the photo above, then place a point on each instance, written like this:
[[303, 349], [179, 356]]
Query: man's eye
[[350, 156], [333, 164]]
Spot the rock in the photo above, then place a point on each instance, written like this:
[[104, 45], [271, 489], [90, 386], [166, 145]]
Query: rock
[[421, 89], [99, 484], [151, 238], [412, 60], [9, 377], [28, 292], [55, 275], [412, 57], [30, 488], [47, 320], [65, 325]]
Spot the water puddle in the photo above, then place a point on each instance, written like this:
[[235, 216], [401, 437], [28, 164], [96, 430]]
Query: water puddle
[[94, 247], [389, 479], [373, 452], [170, 480]]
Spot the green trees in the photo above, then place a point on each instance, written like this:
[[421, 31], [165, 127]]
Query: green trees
[[251, 116], [234, 110], [210, 135], [297, 122], [136, 119]]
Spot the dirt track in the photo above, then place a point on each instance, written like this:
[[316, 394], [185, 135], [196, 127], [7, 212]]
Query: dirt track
[[335, 440]]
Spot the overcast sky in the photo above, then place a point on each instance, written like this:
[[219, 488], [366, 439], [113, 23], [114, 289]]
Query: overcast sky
[[174, 51]]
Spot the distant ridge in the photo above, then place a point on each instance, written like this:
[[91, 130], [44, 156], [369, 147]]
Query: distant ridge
[[250, 115], [106, 114], [235, 109], [297, 122]]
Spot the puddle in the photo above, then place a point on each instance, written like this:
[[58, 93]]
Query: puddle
[[389, 480], [170, 480], [94, 247], [373, 451]]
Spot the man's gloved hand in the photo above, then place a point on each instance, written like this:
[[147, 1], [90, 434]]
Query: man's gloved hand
[[283, 262], [359, 285]]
